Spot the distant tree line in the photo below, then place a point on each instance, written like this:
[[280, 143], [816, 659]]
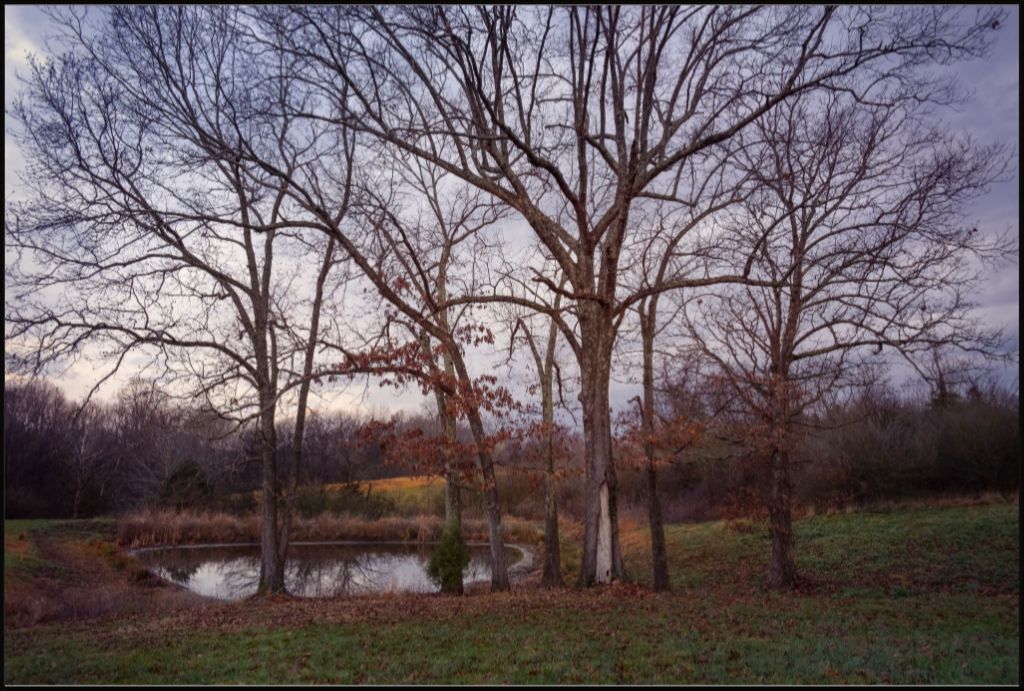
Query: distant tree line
[[881, 442], [66, 460], [874, 442]]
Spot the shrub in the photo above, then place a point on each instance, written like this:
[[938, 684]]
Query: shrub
[[187, 486], [448, 560], [347, 499]]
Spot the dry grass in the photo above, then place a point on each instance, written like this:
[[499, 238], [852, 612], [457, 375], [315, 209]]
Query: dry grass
[[403, 483], [165, 527]]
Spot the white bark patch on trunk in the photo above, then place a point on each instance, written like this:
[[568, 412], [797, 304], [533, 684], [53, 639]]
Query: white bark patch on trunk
[[604, 540]]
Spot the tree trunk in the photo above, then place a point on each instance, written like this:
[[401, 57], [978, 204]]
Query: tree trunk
[[780, 509], [78, 498], [552, 576], [659, 557], [601, 559], [288, 510], [453, 517], [499, 565], [271, 573], [452, 498]]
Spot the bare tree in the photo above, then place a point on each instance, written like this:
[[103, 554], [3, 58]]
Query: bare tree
[[36, 444], [855, 223], [145, 421], [571, 116], [673, 246], [428, 243], [174, 155], [548, 373], [145, 230], [422, 255], [64, 458], [58, 459]]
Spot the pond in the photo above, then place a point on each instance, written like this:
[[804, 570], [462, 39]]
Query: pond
[[314, 569]]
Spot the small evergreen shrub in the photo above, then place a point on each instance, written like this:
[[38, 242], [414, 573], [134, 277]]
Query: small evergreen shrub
[[448, 560]]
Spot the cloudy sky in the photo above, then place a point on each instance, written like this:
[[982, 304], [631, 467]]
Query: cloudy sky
[[992, 115]]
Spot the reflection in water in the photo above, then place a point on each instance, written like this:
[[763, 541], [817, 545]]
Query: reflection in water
[[231, 572]]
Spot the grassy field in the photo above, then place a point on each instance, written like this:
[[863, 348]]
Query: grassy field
[[905, 595], [412, 495]]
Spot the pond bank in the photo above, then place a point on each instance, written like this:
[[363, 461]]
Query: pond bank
[[165, 528]]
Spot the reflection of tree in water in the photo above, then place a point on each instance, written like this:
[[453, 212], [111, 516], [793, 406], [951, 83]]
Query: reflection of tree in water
[[182, 573], [320, 572], [311, 571], [173, 564], [306, 573], [224, 572], [240, 576]]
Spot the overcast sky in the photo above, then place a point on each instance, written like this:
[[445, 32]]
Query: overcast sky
[[992, 115]]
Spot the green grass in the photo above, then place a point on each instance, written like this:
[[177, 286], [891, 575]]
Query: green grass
[[648, 640], [950, 549], [23, 560], [23, 565], [903, 596], [16, 528], [58, 527]]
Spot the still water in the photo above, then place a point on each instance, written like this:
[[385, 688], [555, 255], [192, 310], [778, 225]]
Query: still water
[[314, 569]]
